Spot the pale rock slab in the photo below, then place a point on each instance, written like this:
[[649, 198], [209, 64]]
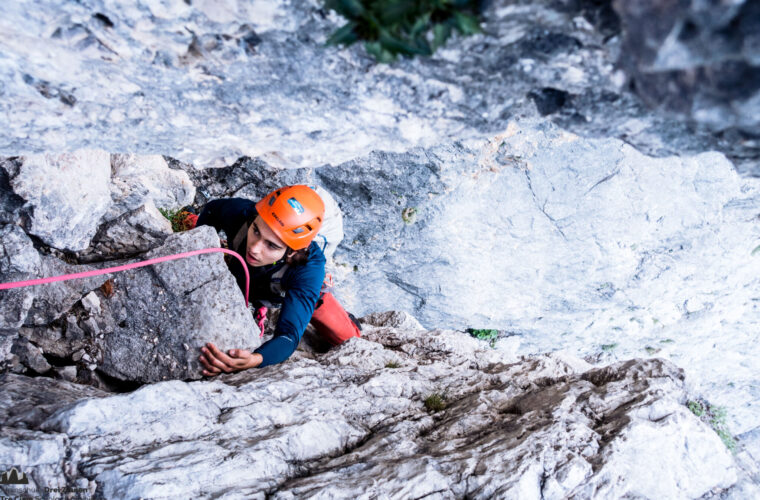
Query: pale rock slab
[[66, 195]]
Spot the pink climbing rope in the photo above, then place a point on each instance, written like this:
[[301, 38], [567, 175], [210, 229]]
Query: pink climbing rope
[[109, 270], [261, 318]]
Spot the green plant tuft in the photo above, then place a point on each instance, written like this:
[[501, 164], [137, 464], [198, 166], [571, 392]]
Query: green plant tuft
[[609, 347], [715, 417], [435, 402], [487, 334], [390, 28], [392, 364], [651, 350], [176, 217]]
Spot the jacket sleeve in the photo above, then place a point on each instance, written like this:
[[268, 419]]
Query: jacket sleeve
[[297, 308]]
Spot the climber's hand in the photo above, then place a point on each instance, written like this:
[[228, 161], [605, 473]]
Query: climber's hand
[[216, 362]]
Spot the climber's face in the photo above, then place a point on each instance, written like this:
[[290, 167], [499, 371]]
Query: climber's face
[[263, 246]]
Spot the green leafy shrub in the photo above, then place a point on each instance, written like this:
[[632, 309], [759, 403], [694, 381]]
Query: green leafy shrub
[[487, 334], [176, 217], [435, 402], [715, 417], [406, 27]]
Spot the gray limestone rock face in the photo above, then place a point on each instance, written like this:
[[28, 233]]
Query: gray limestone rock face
[[62, 213], [52, 300], [40, 457], [8, 360], [698, 58], [397, 413], [158, 317], [10, 203], [19, 261], [220, 80], [135, 231], [25, 402], [138, 180], [562, 242], [59, 341], [30, 355]]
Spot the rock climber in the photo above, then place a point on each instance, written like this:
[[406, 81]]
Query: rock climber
[[275, 236]]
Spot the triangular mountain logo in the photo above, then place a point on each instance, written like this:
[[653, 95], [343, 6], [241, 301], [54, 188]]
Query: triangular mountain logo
[[14, 476]]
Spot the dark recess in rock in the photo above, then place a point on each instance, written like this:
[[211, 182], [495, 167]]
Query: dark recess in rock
[[250, 41], [549, 100], [103, 19]]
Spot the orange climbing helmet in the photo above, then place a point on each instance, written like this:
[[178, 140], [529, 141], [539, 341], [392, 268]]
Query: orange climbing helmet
[[294, 213]]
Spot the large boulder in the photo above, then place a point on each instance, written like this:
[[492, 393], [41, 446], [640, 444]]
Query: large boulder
[[138, 180], [66, 195], [427, 412], [141, 325], [155, 320]]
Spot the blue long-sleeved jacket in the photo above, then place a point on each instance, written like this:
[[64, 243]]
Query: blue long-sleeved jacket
[[301, 283]]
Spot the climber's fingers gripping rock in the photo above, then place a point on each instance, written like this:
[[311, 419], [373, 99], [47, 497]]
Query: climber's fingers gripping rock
[[216, 361]]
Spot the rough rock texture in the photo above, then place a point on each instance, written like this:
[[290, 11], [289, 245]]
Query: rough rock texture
[[53, 300], [353, 423], [136, 231], [99, 216], [154, 324], [699, 58], [62, 213], [147, 179], [147, 325], [208, 82], [18, 261], [557, 241], [26, 402]]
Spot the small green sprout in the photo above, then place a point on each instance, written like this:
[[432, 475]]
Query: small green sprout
[[487, 334], [715, 416], [609, 347], [435, 402], [392, 364]]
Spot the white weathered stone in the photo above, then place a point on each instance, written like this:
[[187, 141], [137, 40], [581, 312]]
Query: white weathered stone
[[91, 303], [19, 261], [141, 179], [345, 424], [66, 195]]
